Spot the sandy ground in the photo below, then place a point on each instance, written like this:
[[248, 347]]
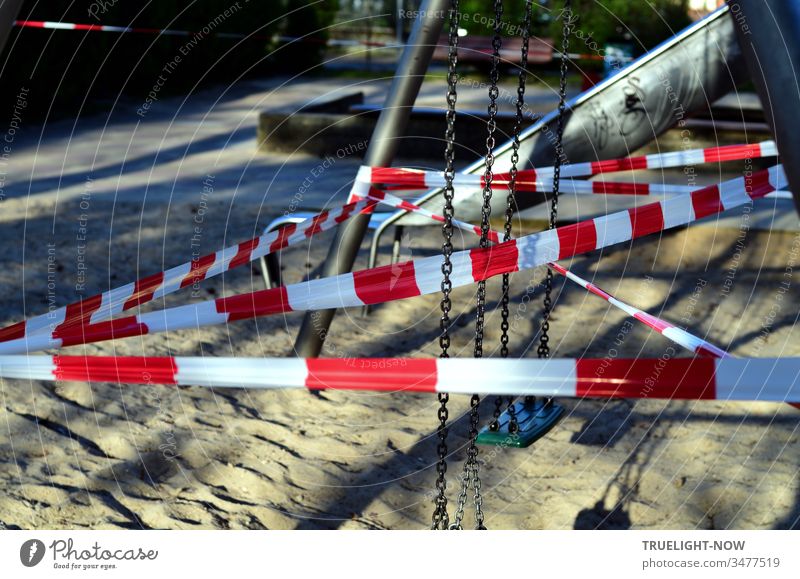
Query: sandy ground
[[76, 455]]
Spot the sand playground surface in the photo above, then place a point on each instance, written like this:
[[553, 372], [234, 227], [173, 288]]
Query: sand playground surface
[[81, 455], [77, 455]]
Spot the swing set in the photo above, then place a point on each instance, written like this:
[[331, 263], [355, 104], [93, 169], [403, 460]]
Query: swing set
[[558, 155]]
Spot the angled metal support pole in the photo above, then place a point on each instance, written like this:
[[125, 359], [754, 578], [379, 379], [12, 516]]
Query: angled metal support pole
[[383, 145], [8, 13], [769, 36]]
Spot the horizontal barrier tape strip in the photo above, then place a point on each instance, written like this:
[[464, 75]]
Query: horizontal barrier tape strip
[[104, 306], [581, 56], [423, 276], [575, 187], [53, 25], [580, 187], [698, 378], [420, 179]]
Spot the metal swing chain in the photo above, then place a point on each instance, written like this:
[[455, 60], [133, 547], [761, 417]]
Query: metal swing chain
[[440, 519], [471, 472], [544, 340], [509, 215]]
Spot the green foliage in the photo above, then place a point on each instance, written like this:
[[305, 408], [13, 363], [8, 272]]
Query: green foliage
[[477, 17], [643, 24]]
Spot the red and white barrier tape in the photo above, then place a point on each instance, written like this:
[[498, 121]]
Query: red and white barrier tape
[[582, 187], [681, 337], [104, 306], [332, 42], [51, 25], [419, 179], [668, 330], [699, 378], [423, 276]]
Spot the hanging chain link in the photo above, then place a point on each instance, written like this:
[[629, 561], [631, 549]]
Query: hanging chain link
[[440, 519], [509, 215], [471, 472], [544, 339]]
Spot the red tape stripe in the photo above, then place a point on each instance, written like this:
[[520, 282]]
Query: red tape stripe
[[646, 219], [678, 378], [124, 369], [198, 269], [706, 202], [382, 374], [143, 290], [100, 332], [612, 165], [261, 303], [390, 282], [494, 260], [576, 238]]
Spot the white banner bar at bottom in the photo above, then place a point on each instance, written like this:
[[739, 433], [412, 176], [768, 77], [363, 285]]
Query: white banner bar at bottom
[[352, 554]]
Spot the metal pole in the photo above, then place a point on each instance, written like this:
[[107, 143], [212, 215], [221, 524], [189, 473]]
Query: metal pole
[[8, 13], [769, 36], [383, 145]]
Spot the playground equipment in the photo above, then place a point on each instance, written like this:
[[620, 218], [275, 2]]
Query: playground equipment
[[612, 113]]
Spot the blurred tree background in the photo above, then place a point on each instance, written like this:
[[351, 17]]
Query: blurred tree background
[[61, 69], [642, 24], [64, 70]]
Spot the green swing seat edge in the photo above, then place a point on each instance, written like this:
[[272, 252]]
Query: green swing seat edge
[[534, 419]]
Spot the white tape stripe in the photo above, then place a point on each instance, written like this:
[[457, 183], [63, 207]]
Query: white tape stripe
[[182, 317], [570, 170], [677, 211], [46, 323], [324, 293], [613, 229], [732, 193], [464, 375], [777, 177], [767, 379], [111, 303], [58, 26], [249, 373], [172, 280], [538, 249], [27, 367], [34, 343]]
